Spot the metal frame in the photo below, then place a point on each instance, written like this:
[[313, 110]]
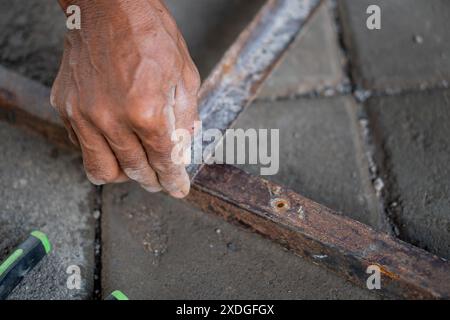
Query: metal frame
[[305, 227]]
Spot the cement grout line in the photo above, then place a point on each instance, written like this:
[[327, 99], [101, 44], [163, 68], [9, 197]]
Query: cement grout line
[[361, 96], [347, 64], [364, 95], [327, 92], [98, 212], [368, 147], [378, 185]]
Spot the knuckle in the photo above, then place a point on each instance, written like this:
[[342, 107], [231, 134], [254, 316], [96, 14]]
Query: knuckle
[[159, 144], [53, 98], [131, 163], [192, 79], [65, 105], [174, 55], [69, 109], [56, 100], [90, 112], [149, 120], [141, 116], [162, 169], [165, 166], [100, 117]]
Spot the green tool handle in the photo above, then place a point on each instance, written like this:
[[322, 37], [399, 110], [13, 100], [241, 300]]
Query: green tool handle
[[117, 295], [21, 261]]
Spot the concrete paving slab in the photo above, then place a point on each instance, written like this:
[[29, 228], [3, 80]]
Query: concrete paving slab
[[42, 188], [321, 154], [412, 132], [31, 37], [313, 64], [410, 51], [155, 247]]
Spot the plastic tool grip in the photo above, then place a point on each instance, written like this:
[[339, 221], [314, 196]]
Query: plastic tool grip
[[21, 261], [117, 295]]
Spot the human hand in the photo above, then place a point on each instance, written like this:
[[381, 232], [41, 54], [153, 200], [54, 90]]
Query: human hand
[[126, 82]]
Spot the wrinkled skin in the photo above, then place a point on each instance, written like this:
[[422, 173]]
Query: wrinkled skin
[[126, 82]]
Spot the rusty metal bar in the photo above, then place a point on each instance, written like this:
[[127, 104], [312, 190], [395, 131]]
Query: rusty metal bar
[[25, 103], [307, 228], [237, 78], [320, 234]]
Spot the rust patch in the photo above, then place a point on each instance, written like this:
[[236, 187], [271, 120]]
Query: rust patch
[[387, 273], [227, 67]]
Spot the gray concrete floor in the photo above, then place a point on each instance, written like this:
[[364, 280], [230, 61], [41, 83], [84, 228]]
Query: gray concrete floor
[[42, 188], [406, 66], [414, 131], [412, 49], [157, 247]]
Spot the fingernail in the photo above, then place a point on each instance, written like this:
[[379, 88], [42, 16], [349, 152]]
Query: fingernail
[[182, 192], [179, 194], [94, 181]]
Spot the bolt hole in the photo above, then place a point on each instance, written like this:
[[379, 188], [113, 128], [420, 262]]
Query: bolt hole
[[280, 205]]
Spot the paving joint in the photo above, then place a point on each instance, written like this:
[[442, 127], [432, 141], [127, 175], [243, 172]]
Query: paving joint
[[97, 212], [360, 95], [323, 92], [385, 222], [363, 95]]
